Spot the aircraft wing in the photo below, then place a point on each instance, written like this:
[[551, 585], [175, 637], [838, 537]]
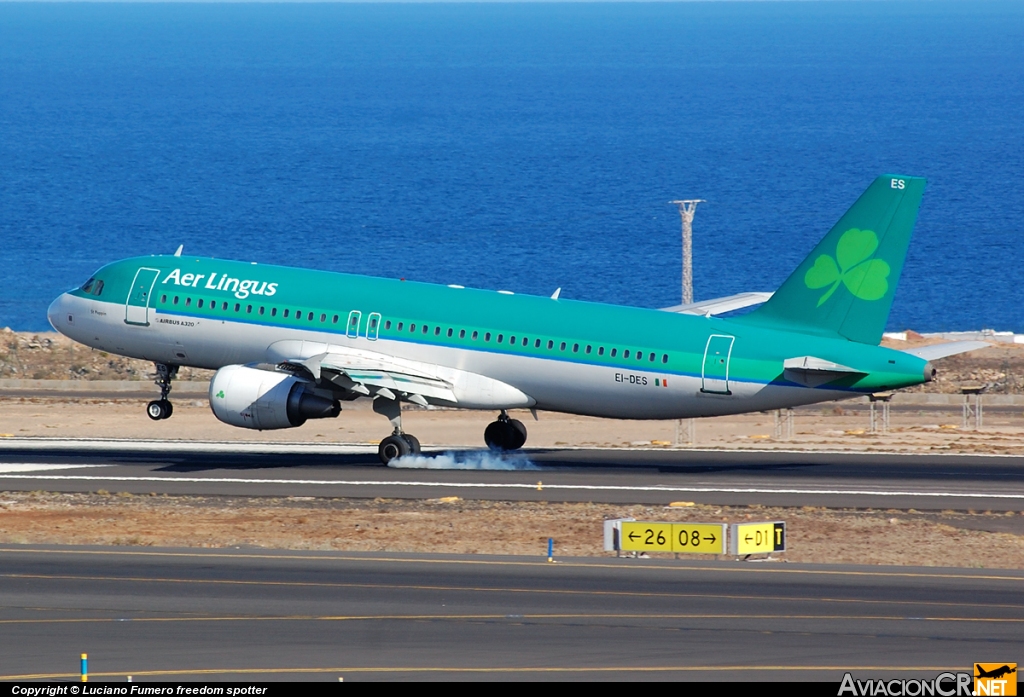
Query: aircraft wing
[[717, 306], [369, 374], [936, 351]]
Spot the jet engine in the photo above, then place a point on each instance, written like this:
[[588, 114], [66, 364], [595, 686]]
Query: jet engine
[[264, 399]]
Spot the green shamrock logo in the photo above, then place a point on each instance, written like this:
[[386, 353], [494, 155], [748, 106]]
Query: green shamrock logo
[[221, 394], [865, 279]]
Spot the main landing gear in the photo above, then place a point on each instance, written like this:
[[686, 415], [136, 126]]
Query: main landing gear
[[398, 444], [162, 408], [505, 433]]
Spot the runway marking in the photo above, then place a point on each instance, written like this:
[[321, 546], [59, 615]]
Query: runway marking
[[512, 617], [481, 589], [539, 563], [22, 467], [516, 485], [484, 669]]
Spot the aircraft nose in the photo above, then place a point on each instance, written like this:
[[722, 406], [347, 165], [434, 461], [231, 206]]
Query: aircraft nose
[[55, 313]]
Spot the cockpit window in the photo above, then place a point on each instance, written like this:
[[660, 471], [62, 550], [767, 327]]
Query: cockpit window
[[87, 286], [97, 288]]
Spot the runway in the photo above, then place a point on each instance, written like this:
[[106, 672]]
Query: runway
[[656, 476], [258, 615]]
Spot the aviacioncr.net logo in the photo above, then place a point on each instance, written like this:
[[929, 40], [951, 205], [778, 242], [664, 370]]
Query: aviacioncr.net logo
[[943, 685], [864, 277]]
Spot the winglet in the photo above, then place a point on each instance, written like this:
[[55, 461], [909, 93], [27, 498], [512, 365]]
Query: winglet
[[558, 291], [178, 252]]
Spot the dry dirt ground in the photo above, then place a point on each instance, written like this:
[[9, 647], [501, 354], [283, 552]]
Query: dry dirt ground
[[483, 527], [835, 426]]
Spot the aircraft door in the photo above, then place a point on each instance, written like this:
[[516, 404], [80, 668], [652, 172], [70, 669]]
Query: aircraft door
[[355, 318], [373, 326], [137, 309], [715, 374]]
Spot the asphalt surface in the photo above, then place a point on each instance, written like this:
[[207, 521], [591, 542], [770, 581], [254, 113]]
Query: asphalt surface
[[655, 476], [258, 615]]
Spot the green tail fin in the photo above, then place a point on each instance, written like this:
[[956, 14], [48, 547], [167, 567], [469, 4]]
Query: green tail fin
[[846, 286]]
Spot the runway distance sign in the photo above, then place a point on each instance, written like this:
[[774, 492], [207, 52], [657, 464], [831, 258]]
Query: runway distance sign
[[757, 538], [682, 538]]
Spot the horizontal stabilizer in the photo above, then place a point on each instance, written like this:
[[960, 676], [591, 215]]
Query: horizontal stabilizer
[[717, 306], [812, 372], [936, 351], [817, 365]]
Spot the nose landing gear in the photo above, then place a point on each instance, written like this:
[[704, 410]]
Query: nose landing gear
[[505, 433], [162, 408]]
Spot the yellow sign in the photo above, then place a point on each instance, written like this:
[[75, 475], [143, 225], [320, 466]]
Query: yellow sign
[[691, 538], [758, 538], [995, 679]]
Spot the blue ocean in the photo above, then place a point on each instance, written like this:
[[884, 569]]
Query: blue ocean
[[513, 146]]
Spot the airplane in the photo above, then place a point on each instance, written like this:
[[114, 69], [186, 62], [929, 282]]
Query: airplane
[[292, 344]]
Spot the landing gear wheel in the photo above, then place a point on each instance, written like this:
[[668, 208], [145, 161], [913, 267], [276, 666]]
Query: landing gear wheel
[[505, 435], [393, 447], [518, 434], [159, 409], [413, 441]]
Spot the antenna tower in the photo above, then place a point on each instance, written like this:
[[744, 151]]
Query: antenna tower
[[686, 210]]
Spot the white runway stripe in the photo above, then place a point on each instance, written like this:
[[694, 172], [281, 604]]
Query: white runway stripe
[[21, 467], [514, 485]]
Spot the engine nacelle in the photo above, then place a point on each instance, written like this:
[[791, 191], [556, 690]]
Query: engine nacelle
[[264, 400]]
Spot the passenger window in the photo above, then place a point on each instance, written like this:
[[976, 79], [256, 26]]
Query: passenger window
[[600, 350], [262, 309], [400, 325], [512, 340], [450, 332], [651, 359], [323, 317], [286, 313], [273, 312], [175, 299], [487, 336], [163, 298], [575, 348], [526, 341], [588, 349], [426, 329], [462, 333], [412, 328], [625, 354], [437, 331], [334, 320], [562, 347], [500, 338], [639, 355], [387, 325], [188, 302], [310, 318], [536, 344], [614, 351], [248, 310], [200, 303], [475, 335], [551, 344], [225, 305]]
